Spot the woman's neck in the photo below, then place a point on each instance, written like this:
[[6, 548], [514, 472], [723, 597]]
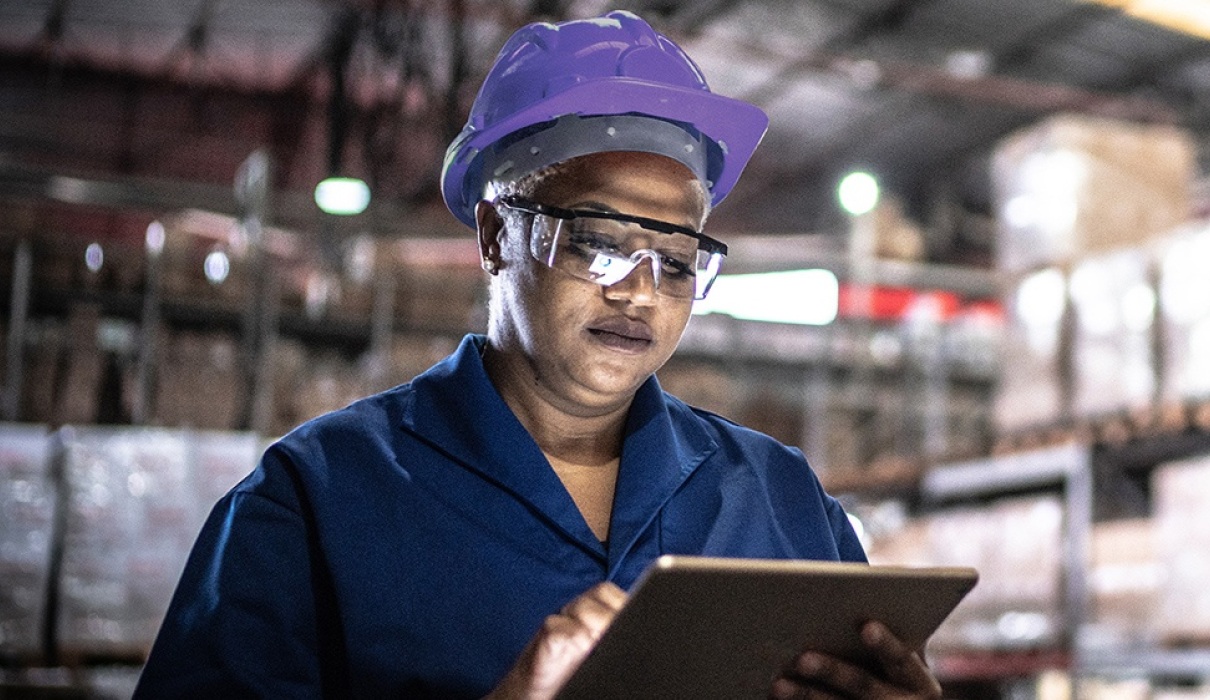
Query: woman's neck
[[575, 434], [582, 446]]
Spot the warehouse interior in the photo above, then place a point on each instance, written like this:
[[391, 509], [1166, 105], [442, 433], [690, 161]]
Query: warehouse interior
[[999, 361]]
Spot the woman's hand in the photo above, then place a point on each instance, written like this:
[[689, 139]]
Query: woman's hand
[[904, 674], [562, 643]]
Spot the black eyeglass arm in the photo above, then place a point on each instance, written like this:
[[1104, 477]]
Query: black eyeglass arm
[[712, 245]]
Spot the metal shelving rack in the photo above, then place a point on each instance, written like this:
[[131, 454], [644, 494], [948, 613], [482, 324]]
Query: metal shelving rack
[[1076, 468]]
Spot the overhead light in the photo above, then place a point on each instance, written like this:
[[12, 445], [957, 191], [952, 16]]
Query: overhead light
[[217, 266], [342, 196], [1186, 16], [968, 64], [94, 257], [1041, 298], [155, 238], [805, 297], [858, 193]]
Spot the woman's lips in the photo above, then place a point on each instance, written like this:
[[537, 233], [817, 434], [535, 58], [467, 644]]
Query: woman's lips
[[624, 334]]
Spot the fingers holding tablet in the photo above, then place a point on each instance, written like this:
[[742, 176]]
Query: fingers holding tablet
[[561, 644], [721, 628], [899, 672]]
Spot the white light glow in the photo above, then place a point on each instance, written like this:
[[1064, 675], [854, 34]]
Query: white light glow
[[155, 238], [1198, 371], [1019, 211], [1184, 284], [858, 193], [94, 257], [359, 259], [343, 196], [1023, 626], [1092, 288], [969, 63], [1138, 307], [885, 348], [1041, 298], [804, 297], [1051, 184], [858, 527], [217, 267], [1058, 171], [319, 292]]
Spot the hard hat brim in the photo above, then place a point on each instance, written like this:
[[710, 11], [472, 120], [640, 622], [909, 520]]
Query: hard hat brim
[[736, 126]]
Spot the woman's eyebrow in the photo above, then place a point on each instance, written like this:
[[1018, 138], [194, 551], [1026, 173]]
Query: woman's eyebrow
[[594, 205]]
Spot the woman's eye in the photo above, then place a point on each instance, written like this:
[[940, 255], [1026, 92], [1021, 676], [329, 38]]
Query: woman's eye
[[595, 242], [673, 266]]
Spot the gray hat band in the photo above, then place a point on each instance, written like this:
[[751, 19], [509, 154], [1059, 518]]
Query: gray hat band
[[570, 136]]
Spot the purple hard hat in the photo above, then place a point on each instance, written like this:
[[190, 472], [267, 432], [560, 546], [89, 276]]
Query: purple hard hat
[[613, 83]]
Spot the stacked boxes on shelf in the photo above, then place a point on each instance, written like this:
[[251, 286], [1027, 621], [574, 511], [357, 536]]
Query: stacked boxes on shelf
[[1185, 314], [1139, 333], [219, 461], [329, 383], [1073, 185], [135, 501], [1113, 301], [1124, 581], [44, 346], [1083, 195], [1031, 391], [128, 523], [1016, 545], [1181, 492], [77, 399], [206, 396], [27, 502]]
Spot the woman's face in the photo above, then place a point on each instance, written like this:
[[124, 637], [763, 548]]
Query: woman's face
[[584, 346]]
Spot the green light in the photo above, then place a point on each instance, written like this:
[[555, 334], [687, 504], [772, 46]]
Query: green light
[[858, 193], [343, 196]]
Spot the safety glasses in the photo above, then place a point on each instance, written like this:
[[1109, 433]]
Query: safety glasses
[[605, 247]]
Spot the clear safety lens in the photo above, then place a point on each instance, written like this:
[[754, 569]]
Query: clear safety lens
[[607, 251]]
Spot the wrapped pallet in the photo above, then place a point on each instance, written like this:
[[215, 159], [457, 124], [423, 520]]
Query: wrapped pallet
[[1031, 390], [1016, 544], [1073, 185], [1185, 315], [135, 502], [1113, 302], [1181, 493], [1124, 583], [130, 520], [27, 501]]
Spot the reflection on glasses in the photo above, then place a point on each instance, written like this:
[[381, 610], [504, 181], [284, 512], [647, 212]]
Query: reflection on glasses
[[605, 247]]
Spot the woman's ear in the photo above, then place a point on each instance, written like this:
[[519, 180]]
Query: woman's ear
[[489, 227]]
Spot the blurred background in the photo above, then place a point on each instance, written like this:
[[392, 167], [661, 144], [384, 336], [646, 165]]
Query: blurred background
[[967, 277]]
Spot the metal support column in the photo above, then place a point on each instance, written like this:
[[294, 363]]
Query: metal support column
[[149, 325], [382, 327], [259, 330], [18, 315], [1077, 546]]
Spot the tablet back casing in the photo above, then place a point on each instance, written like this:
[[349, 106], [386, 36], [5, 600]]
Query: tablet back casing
[[699, 627]]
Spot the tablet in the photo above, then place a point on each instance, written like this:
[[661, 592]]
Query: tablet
[[701, 627]]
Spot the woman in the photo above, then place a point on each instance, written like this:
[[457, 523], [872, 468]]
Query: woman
[[474, 531]]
